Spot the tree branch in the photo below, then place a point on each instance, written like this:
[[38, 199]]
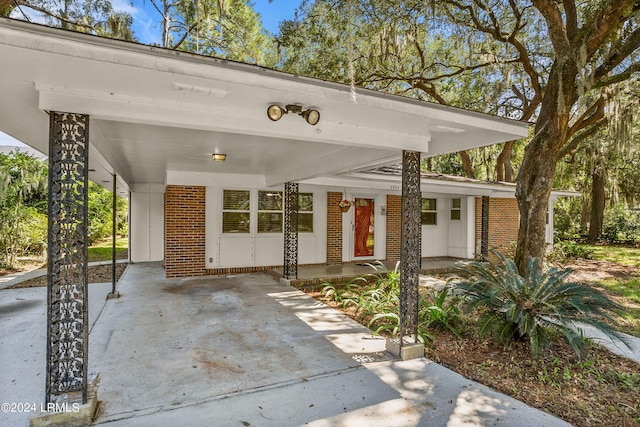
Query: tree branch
[[555, 27], [592, 115], [581, 136]]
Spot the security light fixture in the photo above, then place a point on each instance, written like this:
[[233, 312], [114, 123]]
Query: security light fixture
[[275, 113], [218, 157]]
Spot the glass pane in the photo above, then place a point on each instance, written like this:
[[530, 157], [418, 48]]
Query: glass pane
[[428, 204], [305, 223], [235, 222], [305, 202], [236, 200], [269, 222], [429, 218], [270, 200], [455, 203], [455, 214]]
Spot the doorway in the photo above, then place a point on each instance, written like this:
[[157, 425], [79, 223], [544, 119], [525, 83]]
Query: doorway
[[364, 227]]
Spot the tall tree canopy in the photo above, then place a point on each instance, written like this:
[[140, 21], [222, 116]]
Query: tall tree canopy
[[92, 16], [225, 28], [558, 63]]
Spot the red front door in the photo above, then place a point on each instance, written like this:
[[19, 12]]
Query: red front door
[[363, 237]]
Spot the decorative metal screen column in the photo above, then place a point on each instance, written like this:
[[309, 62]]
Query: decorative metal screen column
[[67, 305], [410, 244], [484, 239], [290, 230]]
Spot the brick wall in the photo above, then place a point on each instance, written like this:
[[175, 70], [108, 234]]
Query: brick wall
[[334, 229], [503, 223], [394, 226], [184, 231]]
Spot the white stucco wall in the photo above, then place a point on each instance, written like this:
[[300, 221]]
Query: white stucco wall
[[146, 223], [434, 237], [260, 249], [462, 231]]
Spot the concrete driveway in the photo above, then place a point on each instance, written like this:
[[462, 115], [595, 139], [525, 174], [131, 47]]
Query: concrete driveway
[[247, 350]]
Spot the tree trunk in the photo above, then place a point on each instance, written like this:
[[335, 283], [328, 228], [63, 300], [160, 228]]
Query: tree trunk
[[532, 192], [467, 165], [503, 163], [585, 207], [597, 199]]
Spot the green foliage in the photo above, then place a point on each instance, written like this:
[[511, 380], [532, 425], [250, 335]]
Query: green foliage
[[536, 306], [565, 250], [23, 202], [622, 226], [376, 298], [23, 180], [87, 16], [230, 29], [100, 215]]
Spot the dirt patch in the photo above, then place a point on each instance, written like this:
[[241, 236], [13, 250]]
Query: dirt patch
[[97, 274], [590, 270]]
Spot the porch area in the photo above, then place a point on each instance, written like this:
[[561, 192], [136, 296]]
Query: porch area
[[341, 273]]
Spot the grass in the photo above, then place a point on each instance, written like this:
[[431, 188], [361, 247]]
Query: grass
[[101, 251], [629, 293], [620, 254]]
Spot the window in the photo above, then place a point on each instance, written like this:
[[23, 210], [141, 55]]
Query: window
[[235, 211], [270, 211], [455, 209], [305, 213], [429, 212]]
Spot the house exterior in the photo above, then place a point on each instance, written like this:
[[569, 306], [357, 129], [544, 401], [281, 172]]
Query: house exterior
[[235, 227], [149, 123]]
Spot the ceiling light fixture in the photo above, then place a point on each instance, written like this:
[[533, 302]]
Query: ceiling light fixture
[[275, 113], [218, 157]]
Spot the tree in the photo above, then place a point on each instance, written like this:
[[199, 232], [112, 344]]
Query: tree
[[225, 28], [90, 16], [23, 183], [545, 60]]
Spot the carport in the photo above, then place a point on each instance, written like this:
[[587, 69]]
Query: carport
[[107, 110]]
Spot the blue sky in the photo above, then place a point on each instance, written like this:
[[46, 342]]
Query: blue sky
[[146, 20], [146, 25]]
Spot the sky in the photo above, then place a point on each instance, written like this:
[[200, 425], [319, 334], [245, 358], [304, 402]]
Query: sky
[[147, 29]]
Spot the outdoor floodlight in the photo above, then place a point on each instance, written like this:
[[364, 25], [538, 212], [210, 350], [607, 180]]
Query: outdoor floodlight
[[275, 113], [218, 157]]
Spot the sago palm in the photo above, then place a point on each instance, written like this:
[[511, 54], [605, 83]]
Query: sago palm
[[535, 306]]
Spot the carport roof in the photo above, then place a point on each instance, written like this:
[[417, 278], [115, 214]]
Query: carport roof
[[156, 110]]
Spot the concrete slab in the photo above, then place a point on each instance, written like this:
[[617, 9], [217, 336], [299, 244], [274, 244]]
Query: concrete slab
[[23, 322], [246, 350]]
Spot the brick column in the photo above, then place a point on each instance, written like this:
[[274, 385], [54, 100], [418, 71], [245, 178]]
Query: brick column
[[184, 231], [334, 229], [394, 226]]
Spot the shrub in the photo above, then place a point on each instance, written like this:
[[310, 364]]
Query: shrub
[[534, 307], [434, 310], [569, 249], [622, 226]]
